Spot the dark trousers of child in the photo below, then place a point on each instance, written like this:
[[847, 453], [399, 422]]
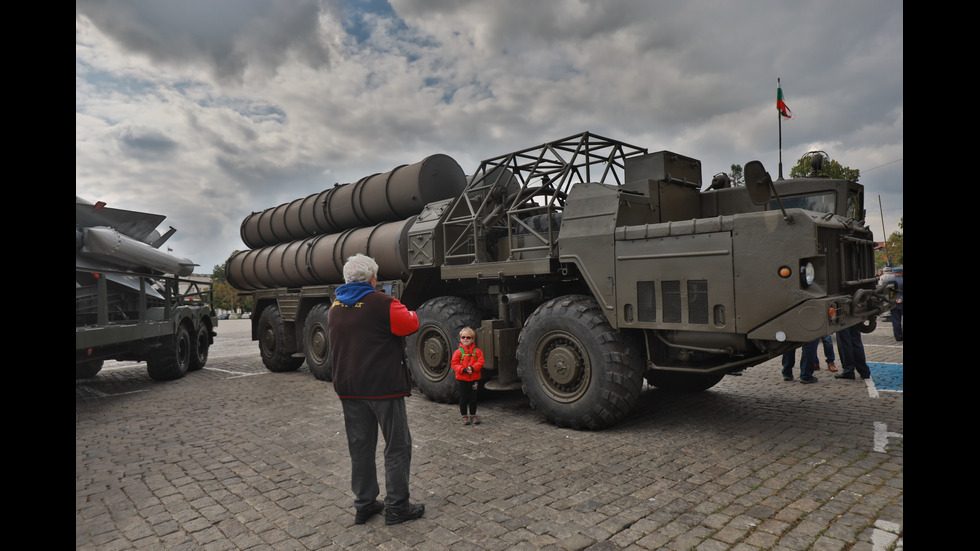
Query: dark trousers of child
[[467, 396]]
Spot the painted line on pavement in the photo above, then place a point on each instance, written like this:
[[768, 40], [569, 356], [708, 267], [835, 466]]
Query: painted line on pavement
[[96, 393], [236, 373]]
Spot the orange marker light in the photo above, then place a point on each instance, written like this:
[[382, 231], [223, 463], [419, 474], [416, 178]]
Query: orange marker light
[[785, 272]]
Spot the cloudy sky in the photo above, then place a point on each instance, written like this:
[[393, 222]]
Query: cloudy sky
[[208, 110]]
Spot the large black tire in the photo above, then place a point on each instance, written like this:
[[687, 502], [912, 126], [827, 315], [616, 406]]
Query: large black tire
[[89, 369], [316, 343], [683, 382], [172, 359], [430, 349], [201, 346], [272, 343], [575, 369]]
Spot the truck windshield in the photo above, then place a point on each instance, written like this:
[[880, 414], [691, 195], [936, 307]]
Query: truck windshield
[[855, 207], [817, 202]]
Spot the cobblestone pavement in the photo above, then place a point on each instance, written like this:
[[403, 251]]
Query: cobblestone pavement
[[236, 457]]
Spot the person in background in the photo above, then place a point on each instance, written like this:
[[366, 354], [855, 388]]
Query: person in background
[[468, 364], [366, 327], [852, 357], [828, 353], [899, 308], [808, 359]]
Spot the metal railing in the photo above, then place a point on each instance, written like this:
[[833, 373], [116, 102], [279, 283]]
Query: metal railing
[[506, 190]]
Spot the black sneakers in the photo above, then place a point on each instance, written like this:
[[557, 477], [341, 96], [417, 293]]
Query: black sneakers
[[411, 512], [362, 515]]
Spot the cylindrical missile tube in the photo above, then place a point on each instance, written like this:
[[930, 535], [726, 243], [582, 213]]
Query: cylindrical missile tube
[[319, 260], [239, 268], [372, 200]]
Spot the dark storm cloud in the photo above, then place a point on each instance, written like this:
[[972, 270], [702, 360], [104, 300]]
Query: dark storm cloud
[[253, 103], [146, 143], [231, 36]]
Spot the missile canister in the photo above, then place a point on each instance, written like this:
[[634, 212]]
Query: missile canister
[[320, 259], [389, 197]]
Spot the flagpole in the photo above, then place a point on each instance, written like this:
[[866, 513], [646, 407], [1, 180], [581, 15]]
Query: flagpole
[[779, 116]]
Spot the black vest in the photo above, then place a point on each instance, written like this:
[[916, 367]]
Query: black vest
[[368, 359]]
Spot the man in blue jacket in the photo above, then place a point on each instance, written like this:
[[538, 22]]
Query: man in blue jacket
[[366, 327]]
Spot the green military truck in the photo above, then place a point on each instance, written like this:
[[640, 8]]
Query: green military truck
[[134, 302], [586, 265]]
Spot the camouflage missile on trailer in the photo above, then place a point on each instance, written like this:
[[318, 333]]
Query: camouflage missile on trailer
[[133, 302]]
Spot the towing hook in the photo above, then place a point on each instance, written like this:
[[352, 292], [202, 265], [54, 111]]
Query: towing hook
[[888, 289], [862, 298], [885, 294], [868, 325], [876, 298]]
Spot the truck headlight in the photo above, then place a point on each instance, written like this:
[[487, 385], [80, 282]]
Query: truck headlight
[[806, 274]]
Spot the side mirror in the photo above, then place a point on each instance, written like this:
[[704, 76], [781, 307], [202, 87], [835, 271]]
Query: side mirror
[[757, 182]]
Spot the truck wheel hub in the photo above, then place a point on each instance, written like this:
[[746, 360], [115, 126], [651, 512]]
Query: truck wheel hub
[[268, 341], [563, 365], [318, 344], [434, 354]]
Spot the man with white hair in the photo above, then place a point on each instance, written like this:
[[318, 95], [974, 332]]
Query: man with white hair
[[365, 328]]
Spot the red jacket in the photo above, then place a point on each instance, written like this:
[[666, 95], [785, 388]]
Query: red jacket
[[467, 356]]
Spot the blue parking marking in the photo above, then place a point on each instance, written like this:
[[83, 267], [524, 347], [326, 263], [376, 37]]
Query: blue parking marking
[[886, 376]]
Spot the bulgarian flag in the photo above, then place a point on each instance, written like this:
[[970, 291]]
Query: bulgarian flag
[[780, 104]]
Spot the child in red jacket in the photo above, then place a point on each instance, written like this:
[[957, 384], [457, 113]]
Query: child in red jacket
[[468, 364]]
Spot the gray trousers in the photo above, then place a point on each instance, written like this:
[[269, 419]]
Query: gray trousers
[[362, 419]]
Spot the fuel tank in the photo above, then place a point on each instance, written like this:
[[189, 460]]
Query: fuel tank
[[389, 197]]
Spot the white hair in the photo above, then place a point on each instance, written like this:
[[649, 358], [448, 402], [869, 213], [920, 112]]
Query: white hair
[[360, 268]]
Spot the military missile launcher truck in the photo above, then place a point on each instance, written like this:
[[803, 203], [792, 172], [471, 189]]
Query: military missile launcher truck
[[585, 265], [133, 301]]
